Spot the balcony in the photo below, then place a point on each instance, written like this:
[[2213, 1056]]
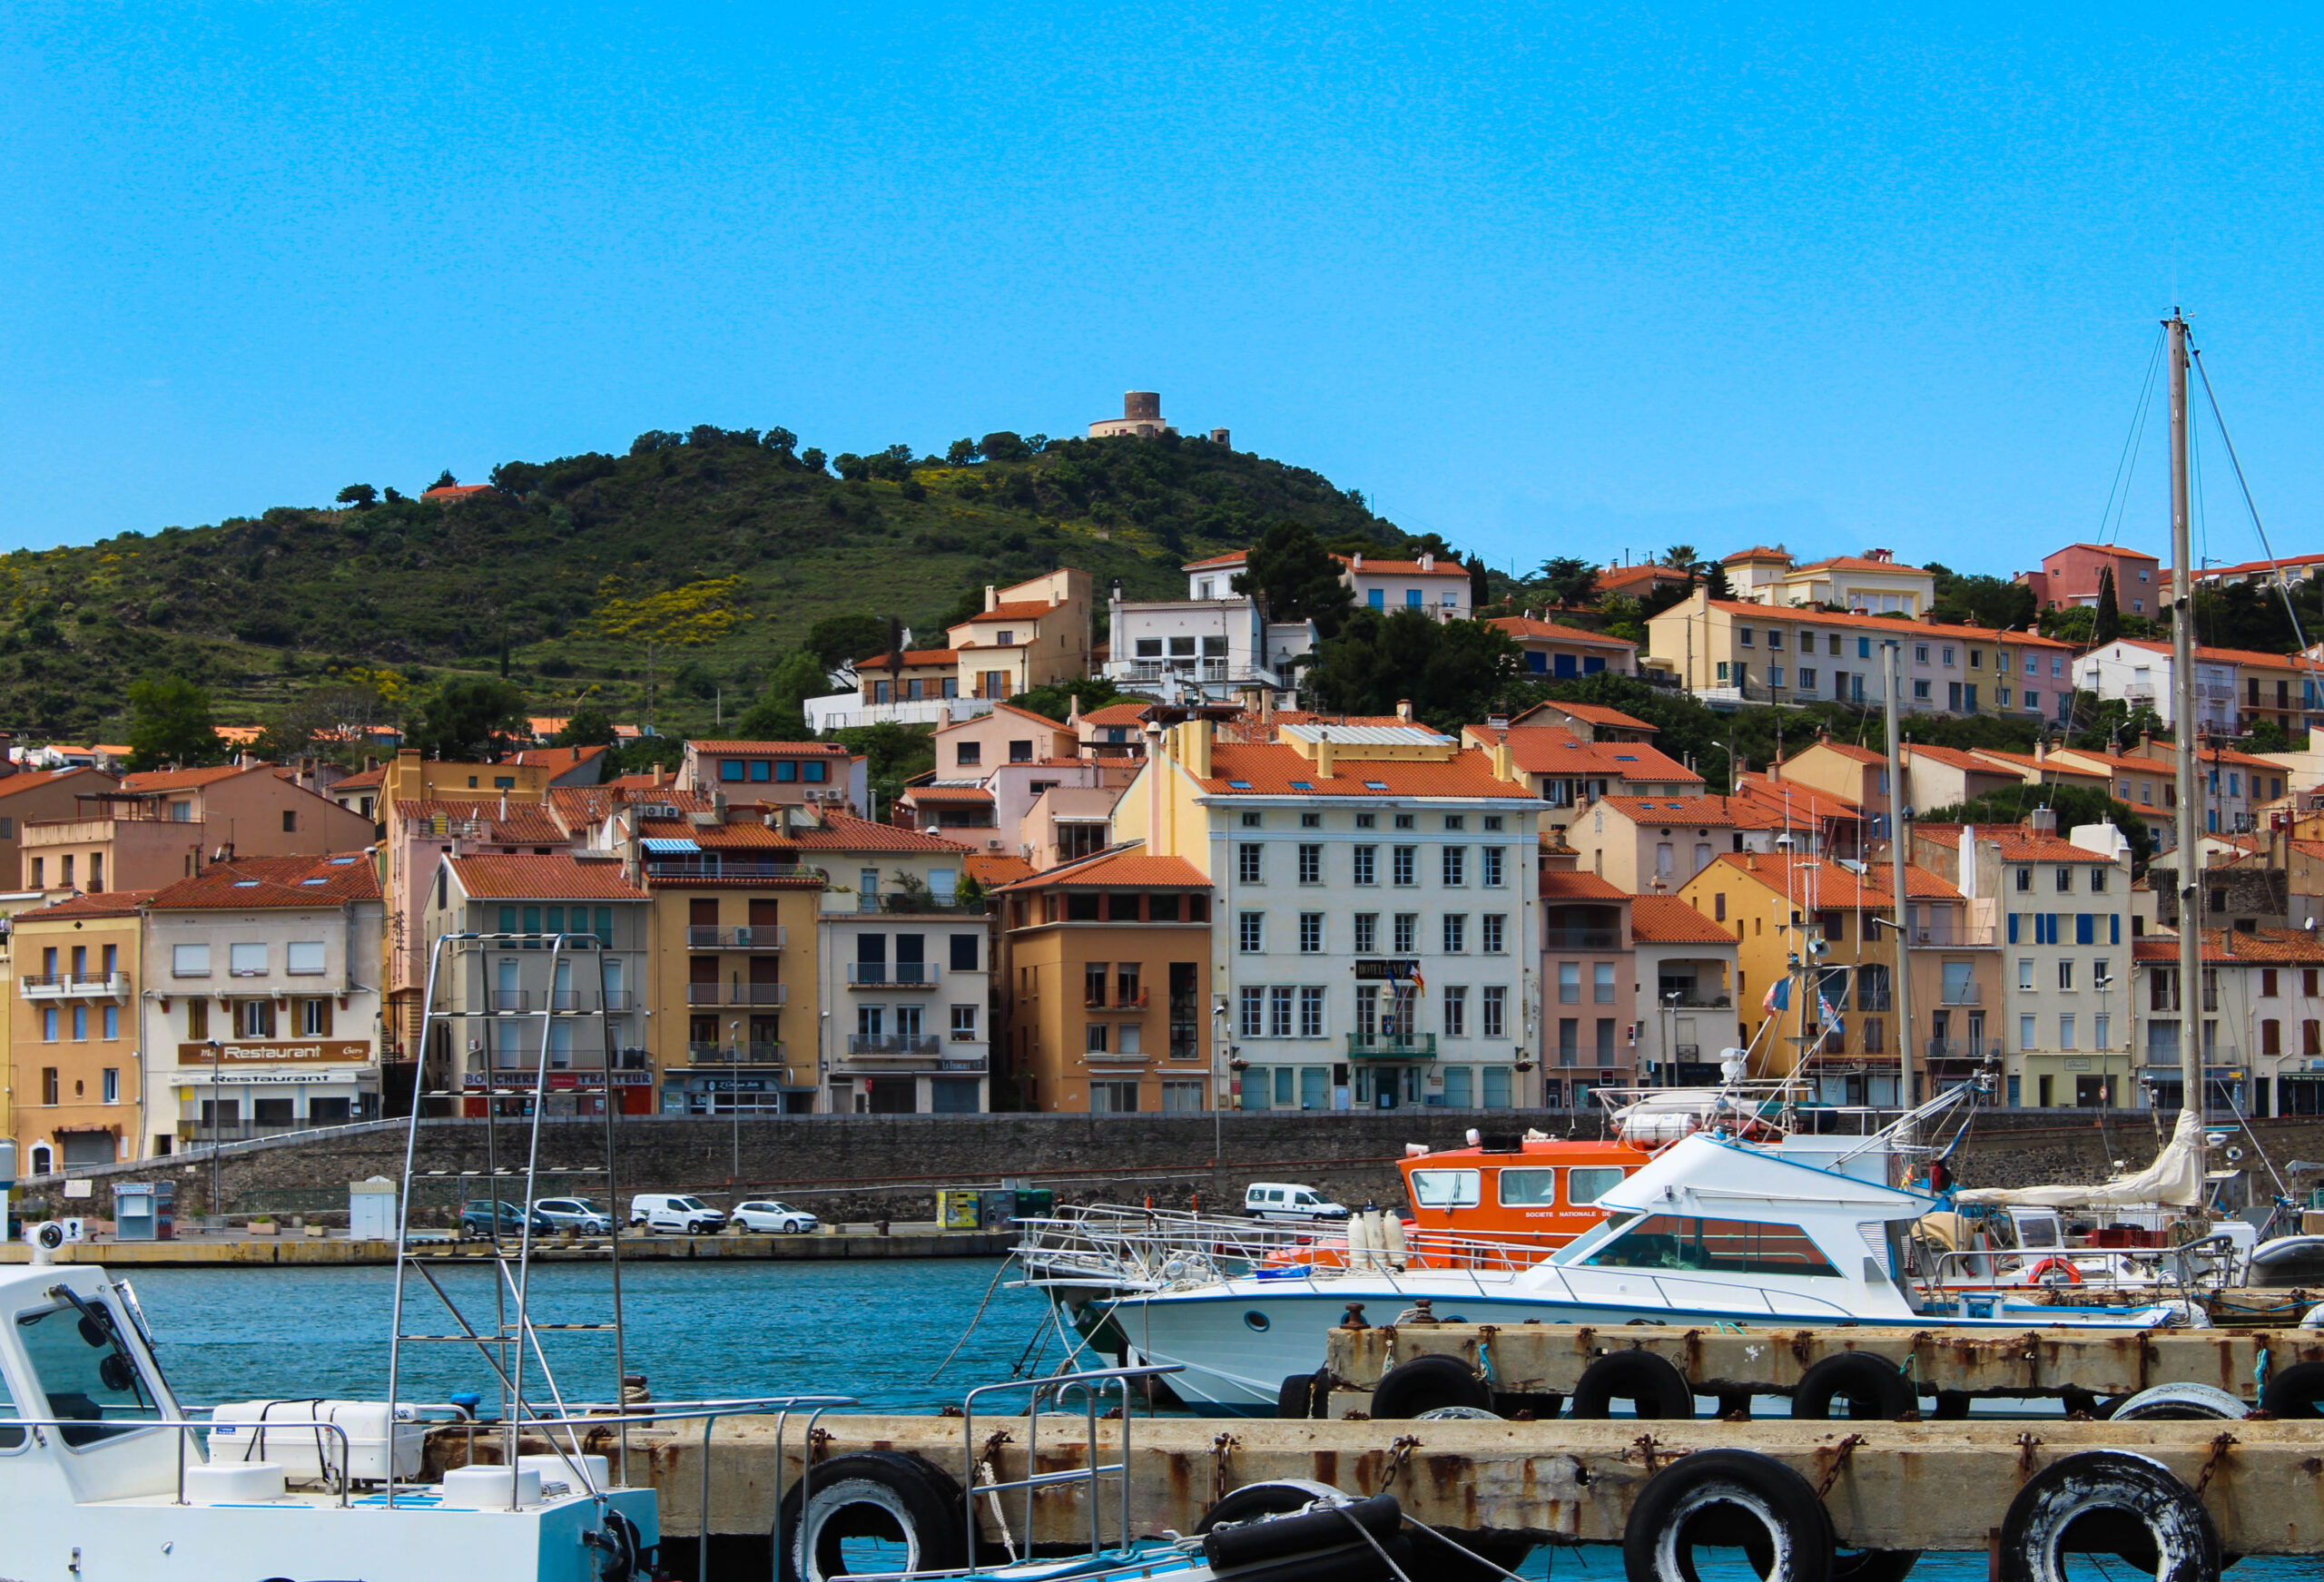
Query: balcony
[[1943, 934], [1391, 1046], [1581, 938], [918, 1045], [751, 1054], [1698, 1000], [759, 939], [738, 994], [919, 903], [1135, 1002], [708, 869], [506, 1000], [892, 975], [1961, 1049], [76, 985]]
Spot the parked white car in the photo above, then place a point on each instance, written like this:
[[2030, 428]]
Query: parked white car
[[766, 1214], [575, 1214], [1288, 1200], [676, 1213]]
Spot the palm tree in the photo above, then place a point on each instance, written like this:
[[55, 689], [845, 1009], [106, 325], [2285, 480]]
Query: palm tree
[[1680, 556]]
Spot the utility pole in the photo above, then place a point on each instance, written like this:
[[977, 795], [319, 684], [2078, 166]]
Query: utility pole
[[2183, 686], [1891, 659]]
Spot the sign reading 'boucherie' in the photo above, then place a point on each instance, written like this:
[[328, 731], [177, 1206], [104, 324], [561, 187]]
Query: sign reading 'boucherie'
[[309, 1052]]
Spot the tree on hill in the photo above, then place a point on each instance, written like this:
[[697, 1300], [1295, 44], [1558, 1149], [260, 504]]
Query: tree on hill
[[1568, 580], [1055, 700], [168, 723], [469, 717], [2074, 805], [587, 726], [362, 497], [2107, 624], [780, 712], [892, 754], [1451, 672], [1296, 579], [1715, 583], [1980, 601], [837, 640], [1682, 557]]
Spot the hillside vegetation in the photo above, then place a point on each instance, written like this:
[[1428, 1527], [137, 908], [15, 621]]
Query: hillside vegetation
[[701, 556]]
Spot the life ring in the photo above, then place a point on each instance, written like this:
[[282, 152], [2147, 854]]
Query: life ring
[[1725, 1500], [1652, 1384], [883, 1495], [2108, 1502], [1425, 1383], [2064, 1266], [1870, 1386]]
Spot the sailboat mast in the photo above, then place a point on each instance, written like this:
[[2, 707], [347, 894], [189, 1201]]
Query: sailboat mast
[[2182, 688], [1891, 660]]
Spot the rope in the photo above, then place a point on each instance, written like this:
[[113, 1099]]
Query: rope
[[971, 1330], [1394, 1569]]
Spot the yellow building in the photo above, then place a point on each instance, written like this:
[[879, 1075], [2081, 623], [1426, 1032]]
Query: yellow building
[[1026, 636], [76, 1089]]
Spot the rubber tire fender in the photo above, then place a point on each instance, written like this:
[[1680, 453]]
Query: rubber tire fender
[[1769, 1510], [1304, 1395], [1424, 1383], [1870, 1385], [1874, 1564], [2180, 1403], [2147, 1504], [2296, 1392], [909, 1492], [1650, 1382], [1279, 1497]]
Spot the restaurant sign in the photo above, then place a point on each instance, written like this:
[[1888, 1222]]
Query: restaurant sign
[[558, 1080], [302, 1052]]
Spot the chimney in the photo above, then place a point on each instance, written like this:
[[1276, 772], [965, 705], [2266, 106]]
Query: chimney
[[1496, 722], [2042, 820], [1073, 712], [1194, 740], [1404, 710], [1356, 562], [1322, 755], [1428, 560], [991, 598], [1751, 860], [1504, 761], [1266, 706], [718, 803], [504, 807], [2041, 750], [2146, 742]]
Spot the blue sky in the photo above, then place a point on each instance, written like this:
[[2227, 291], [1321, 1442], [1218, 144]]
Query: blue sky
[[1546, 280]]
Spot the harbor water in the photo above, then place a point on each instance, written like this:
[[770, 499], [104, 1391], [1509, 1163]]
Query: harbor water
[[877, 1330]]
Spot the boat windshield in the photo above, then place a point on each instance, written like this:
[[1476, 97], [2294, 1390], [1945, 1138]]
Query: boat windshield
[[1689, 1244], [87, 1371], [1445, 1188]]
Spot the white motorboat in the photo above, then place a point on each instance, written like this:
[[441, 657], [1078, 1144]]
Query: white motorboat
[[1713, 1231]]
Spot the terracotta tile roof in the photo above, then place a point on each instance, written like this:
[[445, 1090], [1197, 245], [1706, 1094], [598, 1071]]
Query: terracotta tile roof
[[2206, 654], [912, 656], [186, 779], [112, 903], [1665, 919], [2227, 755], [1372, 567], [1952, 758], [271, 881], [526, 824], [2259, 948], [1522, 626], [1596, 714], [1249, 727], [1883, 623], [1580, 887], [452, 492], [1116, 715], [1125, 869], [1231, 557], [2017, 843], [563, 878], [1756, 552], [2026, 761], [2115, 761], [1554, 750], [1837, 889], [1020, 610], [576, 805], [772, 748], [368, 780], [1003, 708], [1704, 813], [1845, 749], [26, 780], [1252, 769], [846, 832], [1859, 563], [946, 793], [747, 833], [993, 869], [554, 757], [1792, 806]]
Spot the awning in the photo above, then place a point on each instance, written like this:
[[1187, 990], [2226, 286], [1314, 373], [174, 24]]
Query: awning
[[667, 846]]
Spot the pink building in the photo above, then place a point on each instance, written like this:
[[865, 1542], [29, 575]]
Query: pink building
[[2069, 577]]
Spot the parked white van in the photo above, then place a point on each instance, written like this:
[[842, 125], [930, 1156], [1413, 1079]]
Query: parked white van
[[677, 1214], [1288, 1200]]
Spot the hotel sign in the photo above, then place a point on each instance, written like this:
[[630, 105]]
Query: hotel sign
[[1374, 970], [306, 1052]]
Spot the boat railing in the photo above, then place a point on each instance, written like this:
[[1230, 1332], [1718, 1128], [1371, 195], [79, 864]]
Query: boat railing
[[184, 1425], [2161, 1272], [1161, 1248]]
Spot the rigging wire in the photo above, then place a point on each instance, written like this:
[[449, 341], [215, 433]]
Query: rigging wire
[[2275, 567], [2118, 495]]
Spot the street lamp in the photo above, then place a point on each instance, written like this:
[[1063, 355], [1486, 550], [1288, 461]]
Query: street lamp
[[1670, 1061], [2102, 983], [217, 1054], [734, 1090]]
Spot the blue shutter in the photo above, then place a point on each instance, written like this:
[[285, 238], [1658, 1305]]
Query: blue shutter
[[2012, 928], [605, 927], [2085, 928], [2114, 929]]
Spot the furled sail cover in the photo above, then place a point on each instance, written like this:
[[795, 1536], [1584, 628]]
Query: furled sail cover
[[2176, 1178]]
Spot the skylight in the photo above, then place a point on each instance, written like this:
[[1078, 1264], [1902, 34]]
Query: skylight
[[1302, 785], [1375, 785], [246, 884], [1625, 758], [1238, 785], [314, 882]]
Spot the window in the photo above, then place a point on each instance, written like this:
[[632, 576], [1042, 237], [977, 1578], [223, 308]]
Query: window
[[79, 1023], [2026, 1038], [1775, 676], [970, 754], [1279, 1013], [1311, 821], [1311, 1013], [1250, 863], [1920, 691], [304, 959], [1494, 1019], [1403, 820], [1775, 638], [1490, 930], [1491, 869], [1743, 636], [1254, 821], [1569, 983], [1311, 864], [2097, 880], [1366, 864], [314, 1017], [1252, 1019], [2064, 881], [1367, 933], [197, 1019], [1445, 1188], [108, 1083], [247, 960], [1681, 1242], [2025, 972], [1402, 865], [1407, 933], [1456, 864], [110, 1022], [1311, 933], [48, 1072], [1457, 933], [2065, 972], [1251, 930], [190, 961], [1367, 820], [2267, 983], [1456, 1012], [1093, 1038], [2065, 1032], [1601, 983]]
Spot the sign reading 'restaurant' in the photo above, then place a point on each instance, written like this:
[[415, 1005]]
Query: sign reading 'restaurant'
[[260, 1052]]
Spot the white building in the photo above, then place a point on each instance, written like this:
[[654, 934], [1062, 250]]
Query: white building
[[2139, 673], [1207, 645], [261, 1004], [1440, 590]]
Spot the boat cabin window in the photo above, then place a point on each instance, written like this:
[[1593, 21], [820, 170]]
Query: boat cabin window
[[1685, 1244], [86, 1373], [1445, 1188], [1587, 1185], [1528, 1188], [2039, 1230]]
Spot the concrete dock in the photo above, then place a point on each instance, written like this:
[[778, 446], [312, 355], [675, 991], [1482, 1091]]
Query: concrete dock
[[342, 1251]]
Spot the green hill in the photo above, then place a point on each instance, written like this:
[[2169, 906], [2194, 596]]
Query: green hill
[[718, 548]]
